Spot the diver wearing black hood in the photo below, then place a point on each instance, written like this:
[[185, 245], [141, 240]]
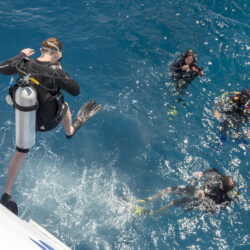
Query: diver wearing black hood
[[235, 110]]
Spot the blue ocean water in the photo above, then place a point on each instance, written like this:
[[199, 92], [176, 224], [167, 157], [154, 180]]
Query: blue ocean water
[[120, 53]]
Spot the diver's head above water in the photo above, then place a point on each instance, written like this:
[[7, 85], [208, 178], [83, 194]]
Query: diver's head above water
[[189, 57], [227, 183], [51, 50]]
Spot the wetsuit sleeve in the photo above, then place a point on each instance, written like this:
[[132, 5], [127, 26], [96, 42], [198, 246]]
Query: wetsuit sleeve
[[65, 82], [211, 170], [9, 67], [176, 66]]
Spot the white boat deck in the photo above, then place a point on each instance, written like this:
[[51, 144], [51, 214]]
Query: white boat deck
[[16, 233]]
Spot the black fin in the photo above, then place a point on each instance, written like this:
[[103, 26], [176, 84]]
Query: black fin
[[88, 110]]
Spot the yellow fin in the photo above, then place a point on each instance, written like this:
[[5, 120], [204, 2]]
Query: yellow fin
[[140, 200]]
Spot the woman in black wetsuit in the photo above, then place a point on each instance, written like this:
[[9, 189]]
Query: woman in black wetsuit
[[185, 69], [52, 109]]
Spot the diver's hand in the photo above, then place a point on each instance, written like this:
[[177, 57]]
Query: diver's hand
[[28, 52], [185, 67], [248, 134], [198, 175], [202, 194], [194, 69], [217, 114]]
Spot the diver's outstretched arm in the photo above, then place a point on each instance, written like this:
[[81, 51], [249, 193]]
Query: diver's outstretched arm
[[198, 175], [161, 193], [162, 208], [212, 170], [9, 67]]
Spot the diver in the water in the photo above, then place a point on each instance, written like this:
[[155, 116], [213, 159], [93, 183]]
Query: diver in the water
[[213, 193], [185, 70], [42, 79], [233, 111]]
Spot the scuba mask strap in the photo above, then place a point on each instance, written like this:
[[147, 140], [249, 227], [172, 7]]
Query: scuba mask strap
[[53, 50], [53, 45]]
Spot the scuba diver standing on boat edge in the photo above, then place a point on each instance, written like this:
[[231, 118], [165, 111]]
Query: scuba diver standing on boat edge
[[39, 103]]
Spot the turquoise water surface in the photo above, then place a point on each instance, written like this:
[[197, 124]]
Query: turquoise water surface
[[120, 53]]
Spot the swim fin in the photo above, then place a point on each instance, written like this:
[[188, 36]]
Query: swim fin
[[141, 200], [132, 206], [134, 201], [88, 110], [172, 111], [141, 211]]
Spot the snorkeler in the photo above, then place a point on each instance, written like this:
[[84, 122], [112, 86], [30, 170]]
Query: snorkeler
[[185, 69], [213, 193], [233, 111], [39, 103]]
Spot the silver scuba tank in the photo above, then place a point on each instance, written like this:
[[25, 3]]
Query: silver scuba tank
[[25, 102]]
